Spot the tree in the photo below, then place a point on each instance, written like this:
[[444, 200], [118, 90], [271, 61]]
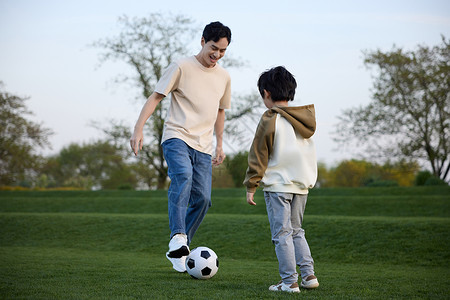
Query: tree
[[237, 166], [357, 173], [20, 139], [351, 173], [324, 176], [409, 115], [117, 134], [241, 121], [148, 45], [94, 165], [403, 172]]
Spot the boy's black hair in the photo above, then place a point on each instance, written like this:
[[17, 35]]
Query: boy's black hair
[[279, 82], [215, 31]]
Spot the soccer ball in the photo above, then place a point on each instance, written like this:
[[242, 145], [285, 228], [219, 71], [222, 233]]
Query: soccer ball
[[202, 263]]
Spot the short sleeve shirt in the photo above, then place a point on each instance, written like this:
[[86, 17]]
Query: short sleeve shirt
[[197, 93]]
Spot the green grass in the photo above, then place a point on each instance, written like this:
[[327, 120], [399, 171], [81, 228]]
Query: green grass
[[368, 243]]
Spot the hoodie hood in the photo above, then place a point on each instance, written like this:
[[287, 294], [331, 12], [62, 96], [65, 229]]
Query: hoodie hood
[[302, 118]]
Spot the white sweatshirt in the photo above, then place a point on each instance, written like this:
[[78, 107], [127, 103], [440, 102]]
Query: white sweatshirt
[[283, 156]]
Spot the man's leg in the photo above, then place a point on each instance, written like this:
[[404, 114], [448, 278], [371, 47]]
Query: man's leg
[[178, 159], [200, 199]]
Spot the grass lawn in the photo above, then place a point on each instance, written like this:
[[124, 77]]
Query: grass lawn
[[368, 243]]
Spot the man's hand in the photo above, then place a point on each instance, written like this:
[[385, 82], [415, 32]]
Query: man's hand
[[250, 197], [219, 157], [136, 141]]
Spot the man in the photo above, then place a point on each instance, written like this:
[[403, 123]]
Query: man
[[201, 91]]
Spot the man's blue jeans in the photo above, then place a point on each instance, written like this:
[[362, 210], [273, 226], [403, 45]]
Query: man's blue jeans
[[190, 172]]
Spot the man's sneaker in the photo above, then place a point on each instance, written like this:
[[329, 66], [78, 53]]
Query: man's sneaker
[[280, 286], [310, 282], [179, 264], [178, 246]]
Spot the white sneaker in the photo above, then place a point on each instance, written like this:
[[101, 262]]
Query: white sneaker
[[281, 286], [310, 282], [178, 246], [179, 264]]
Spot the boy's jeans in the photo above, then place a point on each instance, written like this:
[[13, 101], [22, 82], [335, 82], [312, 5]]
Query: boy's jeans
[[189, 193], [285, 213]]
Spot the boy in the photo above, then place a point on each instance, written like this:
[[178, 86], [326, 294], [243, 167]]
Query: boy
[[283, 158], [201, 92]]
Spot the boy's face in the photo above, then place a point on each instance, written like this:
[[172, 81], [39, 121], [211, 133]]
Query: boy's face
[[212, 51]]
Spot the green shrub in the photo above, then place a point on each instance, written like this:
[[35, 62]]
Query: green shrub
[[125, 186], [422, 177], [383, 183], [434, 180]]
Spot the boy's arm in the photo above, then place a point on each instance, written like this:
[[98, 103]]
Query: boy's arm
[[137, 139], [258, 156], [218, 128]]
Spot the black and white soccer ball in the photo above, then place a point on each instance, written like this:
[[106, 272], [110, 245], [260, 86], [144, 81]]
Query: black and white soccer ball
[[202, 263]]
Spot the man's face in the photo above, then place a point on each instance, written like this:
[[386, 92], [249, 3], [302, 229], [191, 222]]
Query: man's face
[[212, 51]]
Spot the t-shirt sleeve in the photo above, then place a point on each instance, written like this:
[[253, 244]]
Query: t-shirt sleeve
[[169, 80], [225, 101]]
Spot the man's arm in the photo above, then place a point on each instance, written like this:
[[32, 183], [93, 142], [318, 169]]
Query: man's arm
[[218, 128], [137, 139]]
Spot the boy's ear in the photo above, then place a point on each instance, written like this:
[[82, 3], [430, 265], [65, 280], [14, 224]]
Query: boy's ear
[[267, 94], [202, 42]]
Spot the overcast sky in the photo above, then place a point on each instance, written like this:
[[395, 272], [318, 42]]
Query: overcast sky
[[45, 54]]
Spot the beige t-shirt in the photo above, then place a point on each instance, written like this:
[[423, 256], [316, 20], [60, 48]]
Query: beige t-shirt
[[197, 94]]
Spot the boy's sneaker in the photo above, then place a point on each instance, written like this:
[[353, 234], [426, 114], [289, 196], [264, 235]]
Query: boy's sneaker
[[310, 282], [178, 246], [280, 286], [179, 264]]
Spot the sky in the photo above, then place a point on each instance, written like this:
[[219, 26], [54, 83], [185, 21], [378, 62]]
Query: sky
[[46, 55]]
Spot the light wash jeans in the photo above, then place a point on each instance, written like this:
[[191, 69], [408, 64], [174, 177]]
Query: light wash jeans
[[285, 213], [189, 193]]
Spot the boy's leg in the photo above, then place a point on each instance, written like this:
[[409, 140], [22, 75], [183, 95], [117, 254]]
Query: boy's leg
[[302, 251], [200, 198], [177, 156], [279, 212]]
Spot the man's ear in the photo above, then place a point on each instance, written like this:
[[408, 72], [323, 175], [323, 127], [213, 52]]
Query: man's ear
[[202, 42], [267, 95]]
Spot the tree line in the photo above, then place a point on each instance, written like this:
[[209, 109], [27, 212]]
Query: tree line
[[406, 124], [107, 164], [347, 173]]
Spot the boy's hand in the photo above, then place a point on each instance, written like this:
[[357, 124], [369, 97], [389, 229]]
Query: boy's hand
[[250, 198]]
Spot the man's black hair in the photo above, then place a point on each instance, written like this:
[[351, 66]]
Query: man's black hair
[[279, 82], [215, 31]]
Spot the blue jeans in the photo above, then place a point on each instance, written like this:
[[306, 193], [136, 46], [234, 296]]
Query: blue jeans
[[285, 212], [190, 172]]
